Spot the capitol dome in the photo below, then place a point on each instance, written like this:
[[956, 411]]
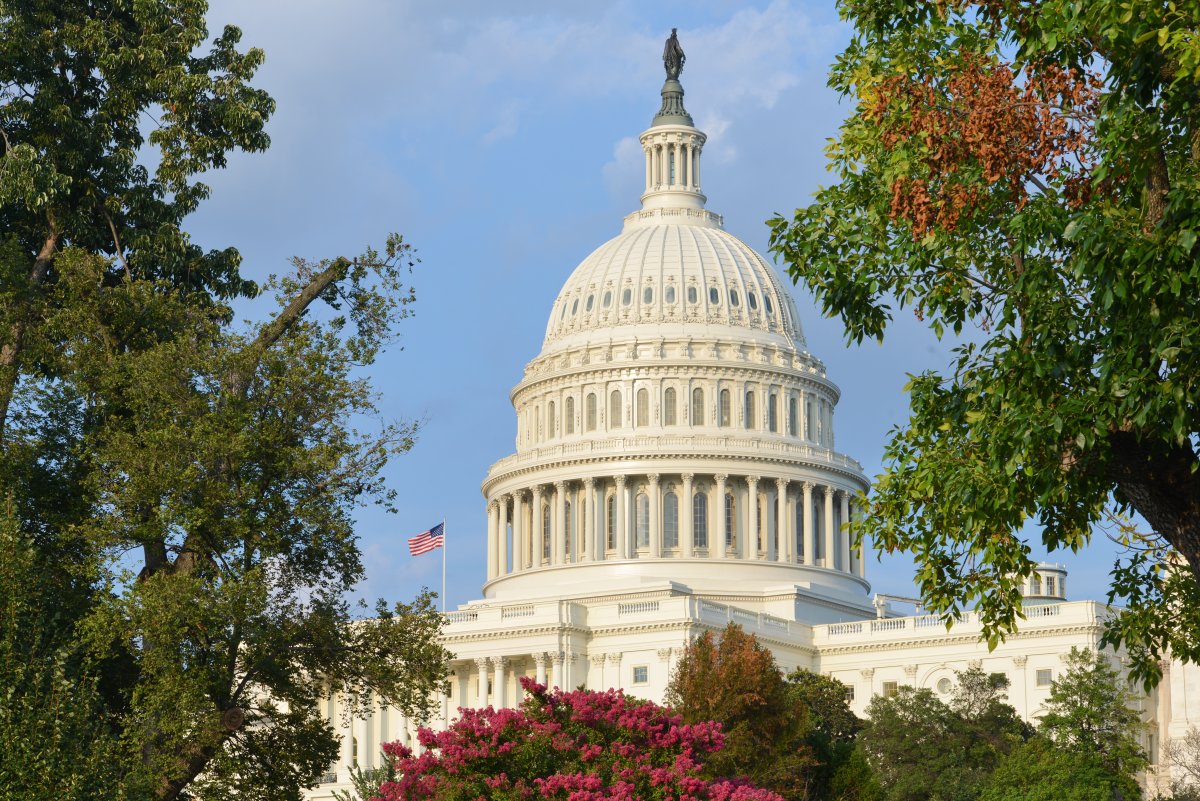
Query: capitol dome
[[674, 426]]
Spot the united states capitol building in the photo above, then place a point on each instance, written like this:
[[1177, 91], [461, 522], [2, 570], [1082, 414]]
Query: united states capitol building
[[676, 469]]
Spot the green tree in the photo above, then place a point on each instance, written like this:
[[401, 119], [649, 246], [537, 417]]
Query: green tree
[[186, 482], [1026, 170], [1089, 713], [734, 681], [1037, 770], [840, 771]]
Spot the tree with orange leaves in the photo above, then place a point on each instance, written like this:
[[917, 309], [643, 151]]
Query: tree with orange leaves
[[1029, 169]]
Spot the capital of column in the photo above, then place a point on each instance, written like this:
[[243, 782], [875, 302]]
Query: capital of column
[[664, 654], [619, 480], [499, 661], [536, 491], [867, 672], [752, 482], [808, 487], [653, 479], [597, 659], [614, 659], [720, 478], [1019, 661], [560, 486], [540, 660], [687, 477], [828, 492], [589, 483], [781, 484], [482, 664], [558, 657], [910, 671]]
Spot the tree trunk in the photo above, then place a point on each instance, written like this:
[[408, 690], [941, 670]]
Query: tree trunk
[[10, 351]]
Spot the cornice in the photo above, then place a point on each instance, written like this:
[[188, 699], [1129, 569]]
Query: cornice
[[950, 639]]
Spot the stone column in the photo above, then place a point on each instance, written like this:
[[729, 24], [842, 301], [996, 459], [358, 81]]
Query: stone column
[[462, 675], [539, 531], [655, 517], [347, 728], [649, 168], [830, 534], [520, 535], [597, 679], [844, 534], [686, 524], [810, 542], [595, 532], [539, 660], [499, 663], [556, 675], [781, 522], [750, 546], [502, 508], [716, 531], [690, 150], [362, 731], [559, 543], [621, 533], [860, 567], [614, 669], [481, 695], [492, 540]]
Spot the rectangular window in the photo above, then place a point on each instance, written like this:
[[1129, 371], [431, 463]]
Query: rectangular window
[[1045, 677], [1050, 585], [641, 674], [890, 688]]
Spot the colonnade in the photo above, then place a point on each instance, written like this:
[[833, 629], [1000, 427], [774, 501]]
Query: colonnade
[[686, 159], [681, 515]]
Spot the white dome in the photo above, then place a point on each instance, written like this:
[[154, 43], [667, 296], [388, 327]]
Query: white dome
[[669, 271]]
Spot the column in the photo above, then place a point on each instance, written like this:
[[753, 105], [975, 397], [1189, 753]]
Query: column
[[655, 517], [559, 543], [614, 669], [802, 413], [750, 547], [844, 534], [810, 542], [462, 675], [493, 526], [362, 731], [539, 531], [697, 187], [481, 696], [556, 675], [539, 660], [595, 529], [830, 541], [716, 528], [502, 527], [781, 526], [500, 686], [686, 524], [520, 535], [346, 725], [622, 537], [861, 567], [690, 150], [596, 680], [649, 169], [662, 165]]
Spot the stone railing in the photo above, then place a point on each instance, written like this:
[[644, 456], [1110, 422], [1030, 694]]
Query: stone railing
[[1078, 612]]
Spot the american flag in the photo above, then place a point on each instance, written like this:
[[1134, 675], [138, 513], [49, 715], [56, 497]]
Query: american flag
[[427, 541]]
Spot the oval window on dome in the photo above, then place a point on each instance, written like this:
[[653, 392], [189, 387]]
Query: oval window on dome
[[587, 306], [714, 296], [669, 294], [733, 297], [607, 298], [648, 295], [564, 312], [767, 303], [626, 296], [693, 295], [752, 299], [575, 307]]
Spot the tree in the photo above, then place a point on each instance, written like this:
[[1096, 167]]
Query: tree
[[582, 745], [923, 749], [734, 681], [1027, 170], [1089, 712], [840, 771], [1037, 770], [186, 483]]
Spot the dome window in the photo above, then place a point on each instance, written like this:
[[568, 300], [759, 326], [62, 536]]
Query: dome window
[[626, 296], [693, 296], [590, 302], [733, 297], [575, 307], [714, 296], [607, 298], [564, 313], [767, 304], [669, 295], [752, 299], [648, 295]]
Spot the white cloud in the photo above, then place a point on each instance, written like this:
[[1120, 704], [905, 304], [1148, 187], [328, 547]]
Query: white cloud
[[506, 126], [624, 175]]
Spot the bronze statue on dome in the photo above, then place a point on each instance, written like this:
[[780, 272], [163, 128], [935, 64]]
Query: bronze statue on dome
[[673, 57]]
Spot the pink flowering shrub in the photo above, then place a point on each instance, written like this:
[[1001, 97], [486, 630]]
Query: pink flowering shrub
[[573, 746]]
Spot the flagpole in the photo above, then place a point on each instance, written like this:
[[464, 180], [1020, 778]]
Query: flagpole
[[443, 565]]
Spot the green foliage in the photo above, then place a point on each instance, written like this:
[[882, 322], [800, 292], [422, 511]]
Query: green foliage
[[923, 749], [1039, 771], [367, 784], [1027, 172], [1089, 713], [840, 770]]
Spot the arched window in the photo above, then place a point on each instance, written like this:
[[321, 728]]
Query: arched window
[[643, 408], [670, 520], [546, 531], [818, 528], [537, 423], [590, 411], [808, 419], [697, 407], [570, 532], [773, 413], [614, 409], [730, 521], [700, 520], [793, 419], [669, 407], [759, 522], [569, 421], [551, 421], [799, 549], [749, 410], [641, 505], [723, 410], [610, 520]]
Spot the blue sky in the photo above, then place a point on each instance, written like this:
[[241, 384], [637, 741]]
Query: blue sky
[[501, 140]]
